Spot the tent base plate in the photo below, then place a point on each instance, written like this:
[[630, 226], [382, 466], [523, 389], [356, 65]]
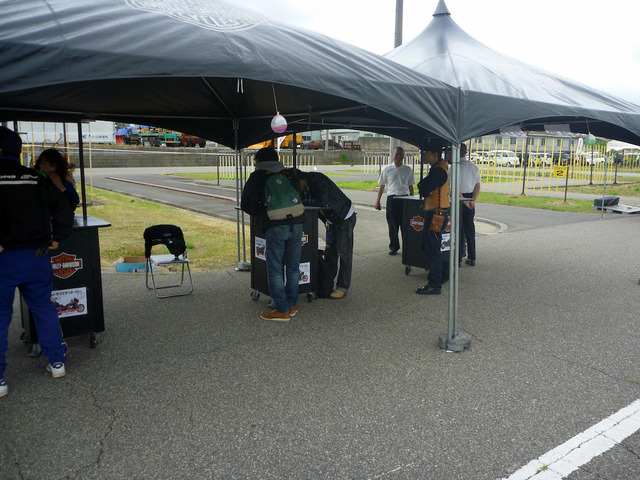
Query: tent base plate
[[244, 267], [456, 344], [622, 209]]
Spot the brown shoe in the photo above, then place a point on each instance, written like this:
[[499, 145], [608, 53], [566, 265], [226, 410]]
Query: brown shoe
[[275, 315], [293, 310], [338, 294]]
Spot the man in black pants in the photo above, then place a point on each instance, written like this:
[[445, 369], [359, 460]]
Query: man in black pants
[[470, 182], [338, 214], [435, 190], [398, 179]]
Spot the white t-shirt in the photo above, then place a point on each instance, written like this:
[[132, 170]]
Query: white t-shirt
[[397, 179], [469, 175]]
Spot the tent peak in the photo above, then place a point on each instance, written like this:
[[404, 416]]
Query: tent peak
[[441, 9]]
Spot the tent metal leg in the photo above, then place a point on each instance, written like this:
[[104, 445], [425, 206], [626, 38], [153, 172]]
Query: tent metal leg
[[453, 340]]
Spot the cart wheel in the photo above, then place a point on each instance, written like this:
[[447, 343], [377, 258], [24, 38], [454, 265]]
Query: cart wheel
[[311, 296], [255, 295], [35, 351], [407, 269], [94, 340]]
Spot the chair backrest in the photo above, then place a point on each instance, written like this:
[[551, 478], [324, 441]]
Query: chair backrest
[[169, 235]]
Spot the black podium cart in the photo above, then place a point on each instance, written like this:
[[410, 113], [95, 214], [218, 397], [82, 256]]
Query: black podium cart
[[308, 258], [77, 285], [412, 231]]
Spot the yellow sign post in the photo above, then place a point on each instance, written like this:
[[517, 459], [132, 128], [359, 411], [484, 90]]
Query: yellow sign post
[[560, 172]]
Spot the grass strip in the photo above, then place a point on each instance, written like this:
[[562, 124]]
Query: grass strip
[[211, 242]]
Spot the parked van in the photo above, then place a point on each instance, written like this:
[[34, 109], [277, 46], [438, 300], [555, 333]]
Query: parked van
[[503, 158]]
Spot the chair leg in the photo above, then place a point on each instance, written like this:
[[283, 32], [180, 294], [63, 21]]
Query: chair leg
[[155, 288]]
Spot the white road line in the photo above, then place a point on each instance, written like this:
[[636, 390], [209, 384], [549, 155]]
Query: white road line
[[581, 449]]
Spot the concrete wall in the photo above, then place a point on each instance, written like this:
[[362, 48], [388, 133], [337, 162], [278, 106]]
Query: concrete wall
[[381, 144], [104, 156]]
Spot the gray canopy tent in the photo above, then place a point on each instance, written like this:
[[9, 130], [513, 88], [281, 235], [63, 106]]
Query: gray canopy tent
[[205, 68], [496, 91]]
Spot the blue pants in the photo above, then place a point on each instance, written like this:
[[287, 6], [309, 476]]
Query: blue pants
[[432, 248], [340, 246], [20, 268], [284, 246]]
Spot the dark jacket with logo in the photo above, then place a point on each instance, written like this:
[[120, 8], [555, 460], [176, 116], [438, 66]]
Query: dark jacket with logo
[[33, 212], [252, 201], [324, 193]]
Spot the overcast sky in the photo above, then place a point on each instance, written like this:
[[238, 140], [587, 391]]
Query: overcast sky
[[592, 41]]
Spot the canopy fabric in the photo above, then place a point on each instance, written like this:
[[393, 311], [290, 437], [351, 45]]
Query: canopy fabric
[[497, 91], [206, 68]]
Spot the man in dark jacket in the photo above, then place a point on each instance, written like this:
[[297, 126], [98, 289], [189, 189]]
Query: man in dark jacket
[[339, 216], [34, 217], [283, 242], [434, 188]]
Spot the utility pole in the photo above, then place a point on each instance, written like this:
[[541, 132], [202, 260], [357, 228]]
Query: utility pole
[[393, 143], [398, 37]]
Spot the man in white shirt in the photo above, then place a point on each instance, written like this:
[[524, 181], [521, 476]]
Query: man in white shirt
[[399, 181], [470, 181]]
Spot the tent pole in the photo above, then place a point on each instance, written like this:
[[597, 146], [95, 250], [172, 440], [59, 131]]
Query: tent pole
[[295, 151], [452, 340], [604, 187], [525, 157], [243, 265], [82, 180]]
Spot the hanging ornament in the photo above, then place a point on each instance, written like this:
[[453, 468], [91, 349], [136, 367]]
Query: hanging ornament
[[278, 123], [590, 140]]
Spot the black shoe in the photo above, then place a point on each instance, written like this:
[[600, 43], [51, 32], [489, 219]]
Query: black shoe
[[428, 290], [468, 261], [445, 280], [393, 251]]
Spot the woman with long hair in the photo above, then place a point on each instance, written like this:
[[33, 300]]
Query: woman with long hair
[[53, 165]]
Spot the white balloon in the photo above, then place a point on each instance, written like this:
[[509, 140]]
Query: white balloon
[[278, 123]]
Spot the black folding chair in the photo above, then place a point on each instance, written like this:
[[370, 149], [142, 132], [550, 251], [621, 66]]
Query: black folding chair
[[172, 237]]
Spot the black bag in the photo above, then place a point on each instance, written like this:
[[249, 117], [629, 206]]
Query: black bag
[[609, 201], [326, 273]]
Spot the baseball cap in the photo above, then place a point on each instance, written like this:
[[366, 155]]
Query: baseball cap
[[435, 145], [10, 143]]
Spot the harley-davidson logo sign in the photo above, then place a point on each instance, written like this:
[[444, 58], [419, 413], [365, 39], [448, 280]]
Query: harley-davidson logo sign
[[417, 223], [65, 264]]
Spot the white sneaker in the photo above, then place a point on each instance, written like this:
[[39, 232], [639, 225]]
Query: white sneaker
[[56, 369], [3, 388]]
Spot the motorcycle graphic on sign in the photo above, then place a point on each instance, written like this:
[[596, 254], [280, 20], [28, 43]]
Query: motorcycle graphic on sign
[[70, 302]]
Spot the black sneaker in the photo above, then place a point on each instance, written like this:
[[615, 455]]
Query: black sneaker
[[428, 290], [393, 251], [470, 262]]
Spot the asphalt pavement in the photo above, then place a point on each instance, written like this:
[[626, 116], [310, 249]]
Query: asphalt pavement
[[201, 387]]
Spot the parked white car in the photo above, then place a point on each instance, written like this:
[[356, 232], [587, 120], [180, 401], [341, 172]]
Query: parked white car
[[478, 157], [596, 160], [536, 159], [503, 158]]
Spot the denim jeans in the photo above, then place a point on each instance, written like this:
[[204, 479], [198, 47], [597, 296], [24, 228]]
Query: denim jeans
[[340, 246], [284, 246], [431, 246], [20, 268]]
